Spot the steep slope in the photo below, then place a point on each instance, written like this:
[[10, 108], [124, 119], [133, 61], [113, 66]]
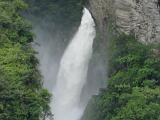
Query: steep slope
[[139, 16]]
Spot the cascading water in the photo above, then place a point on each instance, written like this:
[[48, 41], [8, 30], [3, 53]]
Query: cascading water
[[73, 72]]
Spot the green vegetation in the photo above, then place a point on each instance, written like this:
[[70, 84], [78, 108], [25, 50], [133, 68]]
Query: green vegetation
[[133, 91], [21, 94]]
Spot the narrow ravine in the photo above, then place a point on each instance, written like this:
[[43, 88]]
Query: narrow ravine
[[73, 70]]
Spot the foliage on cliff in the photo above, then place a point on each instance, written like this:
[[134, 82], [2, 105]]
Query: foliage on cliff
[[64, 13], [133, 91], [21, 94]]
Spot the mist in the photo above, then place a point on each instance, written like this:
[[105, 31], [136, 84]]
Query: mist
[[50, 43]]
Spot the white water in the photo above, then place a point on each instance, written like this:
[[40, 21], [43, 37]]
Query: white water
[[73, 72]]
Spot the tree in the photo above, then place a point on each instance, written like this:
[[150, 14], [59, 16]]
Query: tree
[[133, 85], [22, 96]]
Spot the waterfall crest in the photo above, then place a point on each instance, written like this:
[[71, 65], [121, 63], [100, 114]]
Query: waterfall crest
[[73, 71]]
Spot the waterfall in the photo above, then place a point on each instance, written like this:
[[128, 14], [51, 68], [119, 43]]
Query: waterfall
[[73, 72]]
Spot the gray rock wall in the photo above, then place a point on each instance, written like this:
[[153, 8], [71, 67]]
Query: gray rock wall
[[139, 16]]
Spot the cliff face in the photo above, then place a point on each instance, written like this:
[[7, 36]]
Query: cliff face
[[139, 16]]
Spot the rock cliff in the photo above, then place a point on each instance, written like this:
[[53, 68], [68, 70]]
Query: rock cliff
[[141, 17]]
